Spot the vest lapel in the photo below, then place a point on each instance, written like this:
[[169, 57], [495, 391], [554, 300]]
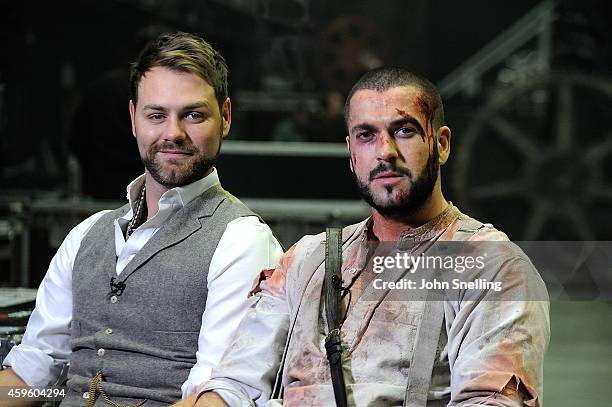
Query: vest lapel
[[178, 227], [110, 251]]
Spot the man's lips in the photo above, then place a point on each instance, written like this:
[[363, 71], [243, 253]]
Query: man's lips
[[389, 174], [174, 153], [388, 177]]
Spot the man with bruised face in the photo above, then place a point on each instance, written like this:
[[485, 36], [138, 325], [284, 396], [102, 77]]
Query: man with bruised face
[[463, 350], [395, 155]]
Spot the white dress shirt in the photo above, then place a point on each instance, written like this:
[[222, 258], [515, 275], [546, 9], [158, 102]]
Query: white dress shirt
[[246, 247]]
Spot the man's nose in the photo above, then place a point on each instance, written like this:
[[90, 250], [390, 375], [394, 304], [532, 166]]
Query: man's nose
[[175, 130], [387, 148]]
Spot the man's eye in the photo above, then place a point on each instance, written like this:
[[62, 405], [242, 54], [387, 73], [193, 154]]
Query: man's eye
[[156, 117], [194, 116], [405, 131], [365, 136]]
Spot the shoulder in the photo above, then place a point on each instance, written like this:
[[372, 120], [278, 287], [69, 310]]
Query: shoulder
[[247, 237], [229, 203], [505, 261], [236, 206], [309, 252], [100, 221], [486, 238], [471, 229], [80, 230], [247, 227], [72, 242], [309, 242]]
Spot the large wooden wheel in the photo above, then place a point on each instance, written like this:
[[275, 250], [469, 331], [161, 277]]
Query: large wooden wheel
[[539, 156]]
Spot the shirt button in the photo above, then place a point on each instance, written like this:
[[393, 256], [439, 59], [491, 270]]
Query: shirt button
[[85, 395], [114, 299], [108, 331], [101, 352], [352, 270]]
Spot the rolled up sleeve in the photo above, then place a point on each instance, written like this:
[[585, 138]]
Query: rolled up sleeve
[[246, 247], [496, 345], [247, 371]]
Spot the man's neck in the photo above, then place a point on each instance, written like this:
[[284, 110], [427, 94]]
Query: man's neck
[[389, 229], [155, 190]]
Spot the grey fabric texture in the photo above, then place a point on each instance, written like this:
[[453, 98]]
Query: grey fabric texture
[[429, 336], [149, 336]]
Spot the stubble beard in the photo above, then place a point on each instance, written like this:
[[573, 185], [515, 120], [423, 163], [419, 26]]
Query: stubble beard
[[174, 173], [419, 192]]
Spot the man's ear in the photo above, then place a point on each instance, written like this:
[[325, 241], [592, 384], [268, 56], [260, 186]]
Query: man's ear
[[348, 146], [132, 114], [226, 117], [444, 144]]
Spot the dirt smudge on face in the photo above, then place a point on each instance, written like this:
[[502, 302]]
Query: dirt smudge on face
[[428, 112], [401, 112], [406, 115]]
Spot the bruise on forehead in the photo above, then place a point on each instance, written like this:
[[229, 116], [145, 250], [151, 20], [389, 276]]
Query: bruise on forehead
[[428, 112], [405, 115]]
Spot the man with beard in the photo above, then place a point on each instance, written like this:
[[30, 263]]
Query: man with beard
[[462, 351], [141, 302]]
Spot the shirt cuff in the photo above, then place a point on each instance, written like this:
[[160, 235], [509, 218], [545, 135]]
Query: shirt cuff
[[197, 377], [232, 396], [35, 367]]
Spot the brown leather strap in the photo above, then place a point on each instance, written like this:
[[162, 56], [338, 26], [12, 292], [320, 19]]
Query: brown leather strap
[[332, 288]]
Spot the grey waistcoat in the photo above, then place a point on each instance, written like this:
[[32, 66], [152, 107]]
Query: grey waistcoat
[[145, 343]]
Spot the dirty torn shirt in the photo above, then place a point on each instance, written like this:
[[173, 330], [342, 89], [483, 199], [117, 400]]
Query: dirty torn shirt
[[491, 352]]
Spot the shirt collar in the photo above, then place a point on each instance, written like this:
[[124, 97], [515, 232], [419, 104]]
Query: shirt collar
[[426, 231], [178, 195]]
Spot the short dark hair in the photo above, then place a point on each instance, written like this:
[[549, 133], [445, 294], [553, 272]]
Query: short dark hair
[[384, 78], [185, 53]]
